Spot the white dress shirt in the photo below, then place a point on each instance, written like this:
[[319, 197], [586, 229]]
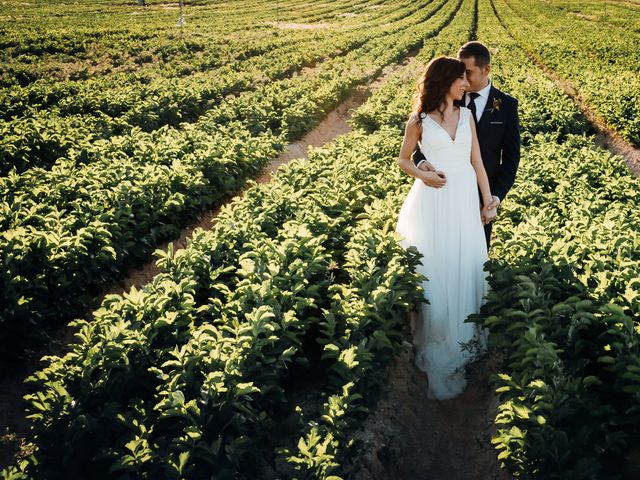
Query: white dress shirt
[[481, 101]]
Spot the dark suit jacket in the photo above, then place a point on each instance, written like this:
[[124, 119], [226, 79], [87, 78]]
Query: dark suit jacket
[[499, 139]]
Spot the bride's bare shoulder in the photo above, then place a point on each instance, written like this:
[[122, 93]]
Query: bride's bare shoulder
[[414, 118]]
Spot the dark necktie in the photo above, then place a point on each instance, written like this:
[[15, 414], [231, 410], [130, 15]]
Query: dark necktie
[[472, 105]]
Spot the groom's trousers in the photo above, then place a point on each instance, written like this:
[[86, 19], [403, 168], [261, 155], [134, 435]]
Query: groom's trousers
[[487, 234]]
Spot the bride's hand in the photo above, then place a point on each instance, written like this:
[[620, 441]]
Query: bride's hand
[[435, 179]]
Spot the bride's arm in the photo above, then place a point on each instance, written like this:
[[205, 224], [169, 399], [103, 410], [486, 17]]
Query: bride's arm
[[476, 161], [411, 137]]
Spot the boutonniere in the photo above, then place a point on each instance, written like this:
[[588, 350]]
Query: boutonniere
[[496, 104]]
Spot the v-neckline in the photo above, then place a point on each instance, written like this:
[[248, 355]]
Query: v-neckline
[[444, 130]]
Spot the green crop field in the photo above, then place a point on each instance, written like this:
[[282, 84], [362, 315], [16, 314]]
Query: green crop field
[[120, 125]]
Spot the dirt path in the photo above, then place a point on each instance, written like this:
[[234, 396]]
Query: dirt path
[[410, 437], [334, 124], [605, 137]]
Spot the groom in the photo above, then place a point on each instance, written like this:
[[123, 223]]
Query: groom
[[497, 124]]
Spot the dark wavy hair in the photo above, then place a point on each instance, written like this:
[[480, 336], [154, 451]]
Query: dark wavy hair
[[478, 51], [434, 83]]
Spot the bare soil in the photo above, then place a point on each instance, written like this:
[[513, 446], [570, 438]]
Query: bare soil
[[408, 436], [585, 17], [605, 137], [297, 26]]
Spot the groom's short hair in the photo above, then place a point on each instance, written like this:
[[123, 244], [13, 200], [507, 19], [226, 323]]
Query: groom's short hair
[[476, 50]]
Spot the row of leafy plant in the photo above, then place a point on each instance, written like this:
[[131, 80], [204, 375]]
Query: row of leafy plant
[[76, 42], [57, 119], [79, 115], [619, 14], [186, 378], [563, 306], [200, 371], [601, 61], [260, 52], [69, 231]]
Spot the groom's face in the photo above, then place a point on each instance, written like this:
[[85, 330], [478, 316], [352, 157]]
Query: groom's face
[[478, 77]]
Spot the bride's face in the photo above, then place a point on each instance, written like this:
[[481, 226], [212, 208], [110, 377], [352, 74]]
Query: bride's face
[[458, 87]]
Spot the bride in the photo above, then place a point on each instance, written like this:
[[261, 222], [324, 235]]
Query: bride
[[442, 217]]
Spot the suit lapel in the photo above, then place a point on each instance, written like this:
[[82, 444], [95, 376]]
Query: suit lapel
[[486, 113]]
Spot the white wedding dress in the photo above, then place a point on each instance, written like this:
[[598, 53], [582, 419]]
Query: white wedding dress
[[444, 224]]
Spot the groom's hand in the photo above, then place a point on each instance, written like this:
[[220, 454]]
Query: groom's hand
[[435, 179], [426, 166]]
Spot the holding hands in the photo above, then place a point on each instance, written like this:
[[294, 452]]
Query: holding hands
[[490, 210], [436, 178], [488, 214]]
